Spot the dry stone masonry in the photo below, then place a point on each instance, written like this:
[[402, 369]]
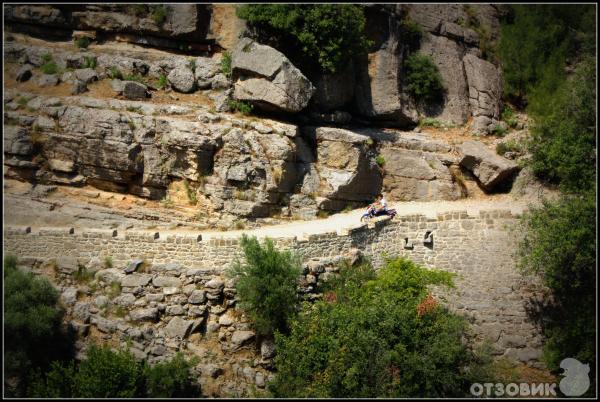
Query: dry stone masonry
[[170, 292]]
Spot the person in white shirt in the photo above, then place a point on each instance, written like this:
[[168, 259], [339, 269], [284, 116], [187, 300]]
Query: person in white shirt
[[380, 205]]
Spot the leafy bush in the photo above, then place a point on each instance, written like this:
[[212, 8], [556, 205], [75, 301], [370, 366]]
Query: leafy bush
[[508, 146], [90, 62], [410, 32], [49, 67], [563, 140], [82, 42], [508, 116], [159, 14], [380, 160], [368, 339], [226, 64], [116, 374], [266, 284], [172, 379], [328, 35], [560, 245], [499, 130], [162, 81], [423, 80], [115, 73], [244, 108], [135, 77], [33, 333]]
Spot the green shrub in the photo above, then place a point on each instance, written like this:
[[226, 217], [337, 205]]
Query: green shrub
[[171, 379], [266, 284], [83, 275], [190, 192], [82, 42], [89, 62], [371, 338], [324, 35], [115, 73], [162, 81], [116, 374], [560, 246], [410, 32], [159, 14], [135, 77], [244, 108], [33, 333], [380, 160], [508, 146], [226, 64], [499, 130], [49, 67], [563, 134], [423, 80], [508, 116], [47, 57]]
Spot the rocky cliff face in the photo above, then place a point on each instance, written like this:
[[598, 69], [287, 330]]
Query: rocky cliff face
[[242, 166], [371, 88]]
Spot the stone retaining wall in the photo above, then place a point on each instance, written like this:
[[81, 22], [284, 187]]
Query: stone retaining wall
[[479, 249]]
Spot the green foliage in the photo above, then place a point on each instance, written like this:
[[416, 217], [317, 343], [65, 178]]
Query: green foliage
[[22, 100], [191, 193], [226, 64], [83, 275], [115, 72], [82, 42], [266, 284], [328, 35], [563, 140], [560, 245], [244, 108], [162, 81], [508, 116], [369, 341], [114, 290], [536, 43], [171, 379], [49, 67], [137, 77], [380, 160], [508, 146], [423, 80], [410, 32], [107, 374], [33, 334], [159, 14], [89, 62], [116, 374], [499, 130]]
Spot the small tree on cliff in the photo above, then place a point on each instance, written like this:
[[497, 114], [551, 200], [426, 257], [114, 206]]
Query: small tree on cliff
[[267, 284]]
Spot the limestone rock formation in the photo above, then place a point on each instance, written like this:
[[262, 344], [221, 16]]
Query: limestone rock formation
[[266, 78], [378, 93], [489, 168]]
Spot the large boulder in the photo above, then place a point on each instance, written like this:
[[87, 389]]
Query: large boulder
[[346, 166], [417, 175], [378, 92], [485, 86], [267, 79], [182, 79], [490, 169]]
